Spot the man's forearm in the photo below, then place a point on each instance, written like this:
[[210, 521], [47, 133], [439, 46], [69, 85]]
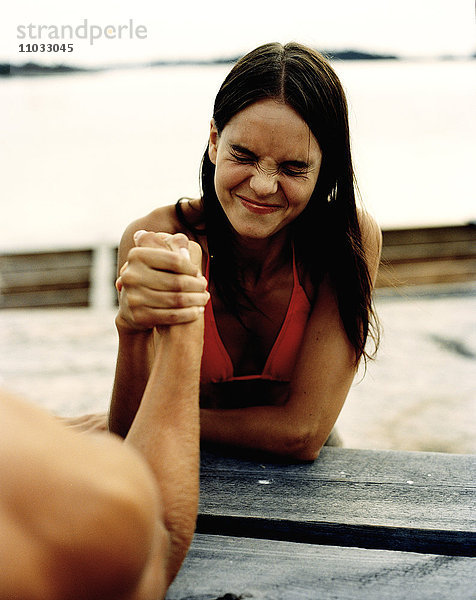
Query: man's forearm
[[166, 431]]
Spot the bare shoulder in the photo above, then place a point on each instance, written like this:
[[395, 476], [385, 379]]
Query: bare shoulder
[[31, 437], [371, 232], [69, 478], [166, 219], [160, 219], [163, 219], [371, 240]]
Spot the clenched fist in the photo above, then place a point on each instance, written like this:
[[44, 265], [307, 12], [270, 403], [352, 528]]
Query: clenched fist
[[161, 282]]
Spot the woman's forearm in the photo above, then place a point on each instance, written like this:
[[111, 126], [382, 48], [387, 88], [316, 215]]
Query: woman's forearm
[[273, 429], [134, 359]]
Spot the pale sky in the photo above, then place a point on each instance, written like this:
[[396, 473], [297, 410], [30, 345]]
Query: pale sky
[[209, 28]]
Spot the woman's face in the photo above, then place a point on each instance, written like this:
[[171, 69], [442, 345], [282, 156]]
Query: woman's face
[[267, 164]]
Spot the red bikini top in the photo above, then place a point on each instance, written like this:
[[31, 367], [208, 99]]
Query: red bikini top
[[216, 362]]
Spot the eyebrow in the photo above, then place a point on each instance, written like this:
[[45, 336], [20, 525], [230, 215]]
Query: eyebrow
[[297, 164]]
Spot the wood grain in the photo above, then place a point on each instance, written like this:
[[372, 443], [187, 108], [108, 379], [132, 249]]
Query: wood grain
[[45, 279], [428, 255], [275, 570], [410, 501]]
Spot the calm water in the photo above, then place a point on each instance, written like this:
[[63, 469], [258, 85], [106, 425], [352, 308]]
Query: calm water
[[83, 155]]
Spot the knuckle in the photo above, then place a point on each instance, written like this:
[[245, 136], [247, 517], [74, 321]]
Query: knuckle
[[180, 284], [142, 317], [195, 247], [181, 238], [205, 298], [173, 318], [134, 254], [158, 240], [179, 300], [133, 301], [136, 311], [128, 278], [195, 252], [175, 261], [146, 239]]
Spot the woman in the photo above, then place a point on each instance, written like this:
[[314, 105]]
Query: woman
[[288, 258]]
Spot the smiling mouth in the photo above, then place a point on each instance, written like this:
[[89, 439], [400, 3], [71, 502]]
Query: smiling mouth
[[257, 207]]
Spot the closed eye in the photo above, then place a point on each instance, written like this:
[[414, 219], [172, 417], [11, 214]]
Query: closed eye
[[242, 155], [293, 168], [243, 159], [295, 171]]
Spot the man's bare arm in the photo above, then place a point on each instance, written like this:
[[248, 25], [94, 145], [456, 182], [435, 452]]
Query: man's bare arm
[[166, 427]]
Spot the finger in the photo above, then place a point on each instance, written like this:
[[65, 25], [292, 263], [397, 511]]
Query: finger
[[167, 300], [192, 251], [142, 278], [124, 267], [119, 283], [155, 317], [196, 255], [150, 239], [179, 242], [162, 259], [175, 316]]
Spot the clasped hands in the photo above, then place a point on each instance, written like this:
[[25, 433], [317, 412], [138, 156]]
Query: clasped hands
[[161, 283]]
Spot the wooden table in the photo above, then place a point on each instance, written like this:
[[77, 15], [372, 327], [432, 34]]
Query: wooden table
[[354, 524]]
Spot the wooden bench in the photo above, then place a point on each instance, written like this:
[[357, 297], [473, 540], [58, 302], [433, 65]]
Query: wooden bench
[[428, 255], [60, 278], [354, 524], [43, 279]]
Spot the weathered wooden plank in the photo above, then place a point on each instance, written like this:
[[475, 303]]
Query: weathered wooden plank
[[273, 570], [426, 272], [378, 499], [46, 298], [45, 260], [436, 469], [432, 251], [418, 235], [428, 255], [45, 279], [62, 277]]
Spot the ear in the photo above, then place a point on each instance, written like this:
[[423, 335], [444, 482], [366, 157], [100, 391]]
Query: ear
[[213, 142]]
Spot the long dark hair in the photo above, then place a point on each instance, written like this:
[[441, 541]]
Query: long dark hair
[[326, 235]]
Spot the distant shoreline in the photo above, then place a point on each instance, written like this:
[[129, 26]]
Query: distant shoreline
[[37, 69], [34, 69]]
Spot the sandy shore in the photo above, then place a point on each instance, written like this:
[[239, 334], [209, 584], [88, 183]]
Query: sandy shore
[[419, 394]]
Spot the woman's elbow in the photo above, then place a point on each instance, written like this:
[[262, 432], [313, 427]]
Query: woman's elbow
[[303, 446]]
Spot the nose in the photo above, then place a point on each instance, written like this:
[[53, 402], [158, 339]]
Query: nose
[[264, 184]]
